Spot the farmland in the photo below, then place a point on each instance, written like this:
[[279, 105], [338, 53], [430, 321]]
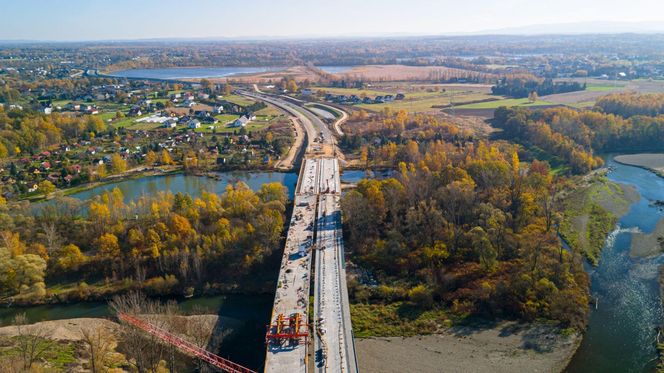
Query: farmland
[[418, 98], [505, 102]]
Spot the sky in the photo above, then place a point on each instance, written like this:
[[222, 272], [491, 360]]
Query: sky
[[74, 20]]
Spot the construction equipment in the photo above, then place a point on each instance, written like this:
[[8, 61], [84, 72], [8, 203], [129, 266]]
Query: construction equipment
[[287, 328], [184, 346]]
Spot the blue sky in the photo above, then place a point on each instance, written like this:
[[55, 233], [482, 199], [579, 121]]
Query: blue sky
[[136, 19]]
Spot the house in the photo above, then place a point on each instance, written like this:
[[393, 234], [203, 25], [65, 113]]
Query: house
[[242, 121], [209, 120], [135, 111], [170, 123], [219, 109], [194, 123]]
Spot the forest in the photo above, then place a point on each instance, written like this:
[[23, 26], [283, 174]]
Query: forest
[[470, 228], [521, 88], [461, 225], [164, 244], [630, 104], [576, 135]]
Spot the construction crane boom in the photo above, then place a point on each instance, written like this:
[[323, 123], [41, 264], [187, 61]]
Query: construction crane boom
[[184, 345]]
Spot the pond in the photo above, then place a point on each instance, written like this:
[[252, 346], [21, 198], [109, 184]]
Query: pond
[[622, 330], [133, 189]]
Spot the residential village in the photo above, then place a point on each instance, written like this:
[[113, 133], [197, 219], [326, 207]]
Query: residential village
[[144, 127]]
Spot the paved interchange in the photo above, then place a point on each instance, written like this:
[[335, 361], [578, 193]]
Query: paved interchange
[[315, 229]]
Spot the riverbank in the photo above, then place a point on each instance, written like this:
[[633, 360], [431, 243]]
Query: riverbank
[[591, 211], [653, 162], [129, 175], [646, 245], [70, 350], [504, 347]]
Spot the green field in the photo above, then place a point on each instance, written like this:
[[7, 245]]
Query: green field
[[509, 102], [145, 126], [603, 87], [239, 100], [259, 124], [126, 121], [426, 103], [225, 118]]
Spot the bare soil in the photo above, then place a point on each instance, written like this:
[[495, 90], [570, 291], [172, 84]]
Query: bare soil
[[648, 244], [505, 347], [651, 161]]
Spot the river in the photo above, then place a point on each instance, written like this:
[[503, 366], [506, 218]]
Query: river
[[622, 330], [251, 312], [245, 346]]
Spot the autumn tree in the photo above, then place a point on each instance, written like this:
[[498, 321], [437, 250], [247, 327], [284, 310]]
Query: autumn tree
[[166, 158], [118, 164]]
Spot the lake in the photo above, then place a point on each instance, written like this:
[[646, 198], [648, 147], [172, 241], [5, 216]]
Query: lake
[[622, 330], [191, 72], [335, 69], [135, 188]]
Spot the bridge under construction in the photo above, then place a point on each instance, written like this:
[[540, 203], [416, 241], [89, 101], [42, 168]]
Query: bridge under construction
[[293, 335]]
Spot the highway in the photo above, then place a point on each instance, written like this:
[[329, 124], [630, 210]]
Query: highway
[[314, 231], [334, 349], [312, 124]]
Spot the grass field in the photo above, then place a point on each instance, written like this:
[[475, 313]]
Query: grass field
[[416, 100], [395, 319], [239, 100], [509, 102], [603, 87], [259, 124], [269, 110], [145, 126], [127, 121]]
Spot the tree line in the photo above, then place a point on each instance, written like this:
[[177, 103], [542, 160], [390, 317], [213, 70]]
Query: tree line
[[521, 88], [581, 132], [165, 244]]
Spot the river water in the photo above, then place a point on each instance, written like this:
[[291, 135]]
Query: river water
[[622, 330], [247, 313]]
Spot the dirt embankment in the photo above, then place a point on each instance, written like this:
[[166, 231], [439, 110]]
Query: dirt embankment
[[68, 329], [506, 347], [650, 161], [648, 244]]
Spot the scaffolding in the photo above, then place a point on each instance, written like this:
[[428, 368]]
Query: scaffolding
[[292, 329]]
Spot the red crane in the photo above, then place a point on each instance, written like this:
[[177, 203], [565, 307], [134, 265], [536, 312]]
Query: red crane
[[185, 346]]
